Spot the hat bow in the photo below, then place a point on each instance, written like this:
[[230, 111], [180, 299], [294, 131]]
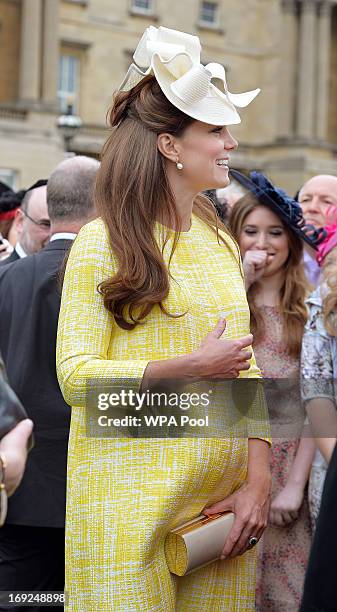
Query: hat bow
[[178, 54]]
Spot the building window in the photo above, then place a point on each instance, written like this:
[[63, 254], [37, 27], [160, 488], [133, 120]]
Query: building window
[[9, 177], [142, 6], [209, 13], [68, 87]]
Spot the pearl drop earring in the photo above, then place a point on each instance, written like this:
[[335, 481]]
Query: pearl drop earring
[[179, 165]]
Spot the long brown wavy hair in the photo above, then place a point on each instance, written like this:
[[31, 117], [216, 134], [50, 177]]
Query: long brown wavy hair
[[133, 193], [330, 300], [293, 291]]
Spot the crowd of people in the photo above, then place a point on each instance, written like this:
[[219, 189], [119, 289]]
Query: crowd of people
[[155, 250]]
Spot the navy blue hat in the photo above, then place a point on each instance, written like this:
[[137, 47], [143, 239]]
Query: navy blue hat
[[285, 207], [39, 183]]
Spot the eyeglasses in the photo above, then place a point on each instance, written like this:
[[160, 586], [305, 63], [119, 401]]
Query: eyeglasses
[[44, 224]]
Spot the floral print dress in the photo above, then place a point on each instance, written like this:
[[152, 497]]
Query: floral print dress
[[283, 551], [319, 374]]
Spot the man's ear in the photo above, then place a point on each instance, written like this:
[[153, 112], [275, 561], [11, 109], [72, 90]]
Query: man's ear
[[18, 222], [168, 146]]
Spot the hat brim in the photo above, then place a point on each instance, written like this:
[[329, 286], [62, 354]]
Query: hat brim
[[243, 99], [133, 76], [213, 108], [264, 199]]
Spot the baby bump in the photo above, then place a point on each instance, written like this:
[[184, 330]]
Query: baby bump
[[137, 490], [207, 470], [159, 468]]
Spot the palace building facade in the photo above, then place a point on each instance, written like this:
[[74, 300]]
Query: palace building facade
[[59, 52]]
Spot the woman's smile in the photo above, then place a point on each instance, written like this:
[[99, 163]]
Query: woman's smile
[[222, 162]]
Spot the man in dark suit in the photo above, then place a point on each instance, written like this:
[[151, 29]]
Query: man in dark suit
[[31, 223], [32, 540]]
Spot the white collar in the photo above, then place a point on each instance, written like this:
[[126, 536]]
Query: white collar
[[63, 236], [20, 251]]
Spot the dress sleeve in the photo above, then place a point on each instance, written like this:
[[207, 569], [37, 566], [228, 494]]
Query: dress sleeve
[[258, 425], [85, 326], [316, 359]]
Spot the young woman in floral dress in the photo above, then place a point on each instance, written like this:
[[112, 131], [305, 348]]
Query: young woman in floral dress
[[269, 228]]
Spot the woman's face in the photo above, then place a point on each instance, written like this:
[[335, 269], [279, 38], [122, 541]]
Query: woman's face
[[262, 230], [204, 151]]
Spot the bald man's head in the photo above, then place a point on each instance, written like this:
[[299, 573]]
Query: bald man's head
[[317, 198], [70, 189]]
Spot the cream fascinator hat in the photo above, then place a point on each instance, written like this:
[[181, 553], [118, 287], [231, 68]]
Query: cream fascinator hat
[[199, 91]]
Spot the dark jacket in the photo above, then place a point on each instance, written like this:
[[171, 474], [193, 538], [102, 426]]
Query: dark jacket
[[13, 257], [319, 594], [29, 309]]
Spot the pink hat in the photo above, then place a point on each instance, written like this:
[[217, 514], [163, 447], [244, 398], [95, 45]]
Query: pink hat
[[329, 243]]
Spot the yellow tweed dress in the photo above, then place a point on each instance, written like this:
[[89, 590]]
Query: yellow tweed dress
[[125, 494]]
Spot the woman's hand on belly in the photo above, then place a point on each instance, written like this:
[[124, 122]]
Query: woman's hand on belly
[[214, 359], [217, 358]]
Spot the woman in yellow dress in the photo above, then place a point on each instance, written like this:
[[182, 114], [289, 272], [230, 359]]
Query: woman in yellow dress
[[144, 292]]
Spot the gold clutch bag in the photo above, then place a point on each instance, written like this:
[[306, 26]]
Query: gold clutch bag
[[197, 542]]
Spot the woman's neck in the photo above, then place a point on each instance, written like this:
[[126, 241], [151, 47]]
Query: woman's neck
[[184, 197], [269, 289], [184, 204]]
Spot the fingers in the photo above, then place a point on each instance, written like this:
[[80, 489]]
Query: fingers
[[233, 538], [245, 341], [260, 262], [243, 365], [287, 518], [221, 506], [225, 358], [237, 542], [14, 447], [276, 518], [17, 437], [257, 259], [233, 373], [219, 329], [255, 255], [23, 430], [259, 533], [281, 518], [241, 544]]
